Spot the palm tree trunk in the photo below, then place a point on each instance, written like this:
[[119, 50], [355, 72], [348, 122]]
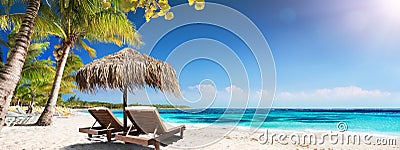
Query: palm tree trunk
[[30, 107], [10, 73], [46, 118]]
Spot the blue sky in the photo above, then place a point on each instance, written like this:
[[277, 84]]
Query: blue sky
[[332, 53]]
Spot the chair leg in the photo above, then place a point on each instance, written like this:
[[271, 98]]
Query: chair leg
[[109, 135], [157, 145], [181, 133]]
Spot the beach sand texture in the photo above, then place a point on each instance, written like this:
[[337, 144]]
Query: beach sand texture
[[63, 134]]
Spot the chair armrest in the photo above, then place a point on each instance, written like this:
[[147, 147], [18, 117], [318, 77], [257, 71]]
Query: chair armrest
[[177, 129]]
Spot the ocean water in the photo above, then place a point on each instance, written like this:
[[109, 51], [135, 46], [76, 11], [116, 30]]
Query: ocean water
[[358, 120]]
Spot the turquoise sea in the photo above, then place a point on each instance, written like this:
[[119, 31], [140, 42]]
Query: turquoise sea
[[364, 120]]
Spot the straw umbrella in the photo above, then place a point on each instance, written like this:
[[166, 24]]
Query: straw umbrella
[[127, 70]]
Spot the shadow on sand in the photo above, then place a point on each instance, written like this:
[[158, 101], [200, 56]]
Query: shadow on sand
[[98, 144], [105, 146]]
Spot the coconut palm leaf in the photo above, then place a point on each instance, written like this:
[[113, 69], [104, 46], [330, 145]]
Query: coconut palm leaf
[[84, 6], [109, 27], [21, 94], [46, 10], [90, 50], [35, 50], [35, 69], [85, 20], [1, 59], [4, 43], [7, 5], [74, 63], [35, 74], [42, 30], [38, 70]]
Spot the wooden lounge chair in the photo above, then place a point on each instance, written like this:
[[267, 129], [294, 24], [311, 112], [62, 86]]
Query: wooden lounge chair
[[109, 124], [13, 118], [147, 120]]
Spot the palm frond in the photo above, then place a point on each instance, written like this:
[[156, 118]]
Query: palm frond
[[21, 92], [72, 12], [110, 27], [67, 87], [74, 63], [1, 53], [46, 11], [7, 5], [86, 6], [35, 50], [42, 29], [38, 70], [34, 70], [91, 51], [4, 43], [1, 59]]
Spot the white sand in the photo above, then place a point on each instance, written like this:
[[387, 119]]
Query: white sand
[[63, 134]]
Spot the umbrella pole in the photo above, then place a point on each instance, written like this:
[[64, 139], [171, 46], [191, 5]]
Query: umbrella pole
[[125, 96]]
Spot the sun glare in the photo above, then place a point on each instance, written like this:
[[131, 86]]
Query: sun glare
[[389, 9]]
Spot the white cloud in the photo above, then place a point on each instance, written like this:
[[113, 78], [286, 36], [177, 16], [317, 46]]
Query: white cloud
[[201, 95], [234, 89], [346, 92], [357, 91], [207, 88], [265, 94], [346, 96]]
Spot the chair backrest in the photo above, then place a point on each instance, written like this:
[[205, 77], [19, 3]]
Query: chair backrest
[[146, 118], [105, 117], [20, 110], [13, 114]]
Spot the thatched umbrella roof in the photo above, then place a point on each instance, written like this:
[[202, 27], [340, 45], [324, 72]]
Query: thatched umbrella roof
[[127, 69]]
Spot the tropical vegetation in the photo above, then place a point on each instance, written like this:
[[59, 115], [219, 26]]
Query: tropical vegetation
[[11, 71], [1, 59], [80, 21], [76, 102], [74, 22], [35, 83]]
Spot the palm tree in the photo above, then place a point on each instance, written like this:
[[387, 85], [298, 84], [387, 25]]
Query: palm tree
[[71, 13], [94, 20], [1, 53], [36, 76], [1, 59], [74, 63], [80, 21], [36, 73], [10, 73]]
